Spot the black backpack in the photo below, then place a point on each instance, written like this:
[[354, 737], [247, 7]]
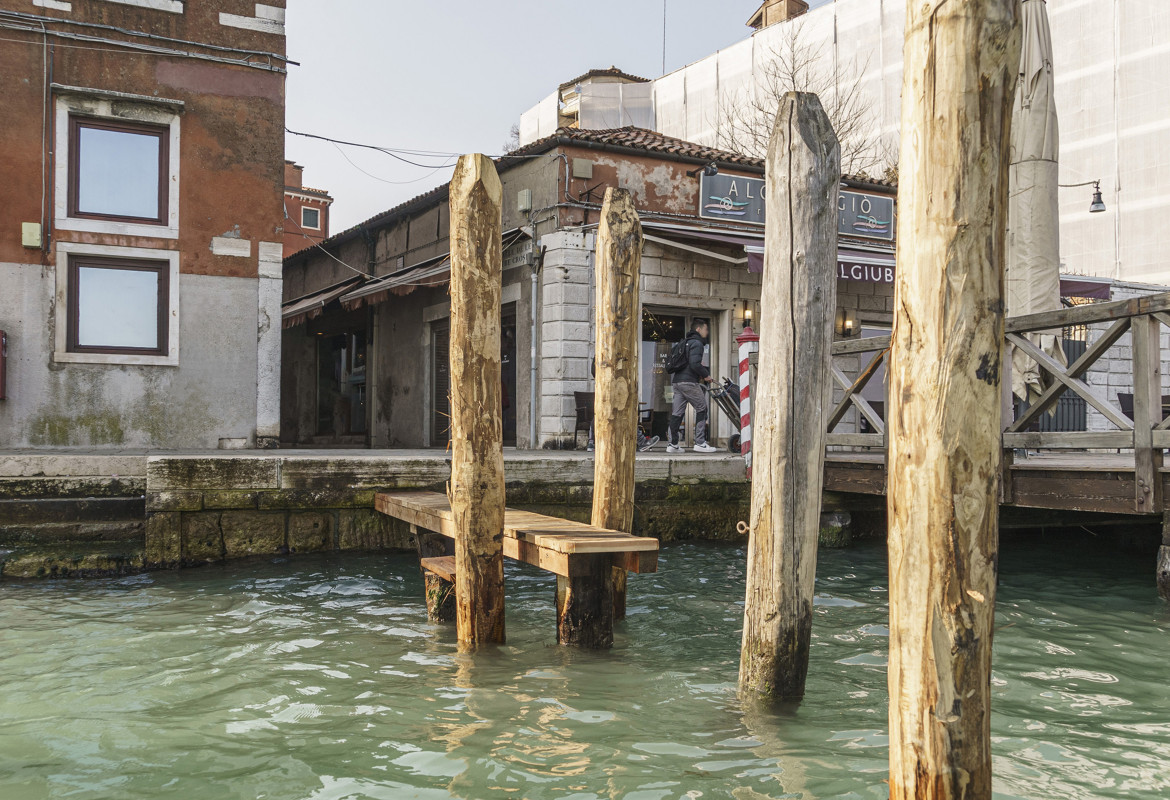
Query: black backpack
[[679, 358]]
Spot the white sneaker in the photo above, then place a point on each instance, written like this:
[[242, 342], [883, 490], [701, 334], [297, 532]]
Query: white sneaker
[[705, 448], [648, 444], [674, 448]]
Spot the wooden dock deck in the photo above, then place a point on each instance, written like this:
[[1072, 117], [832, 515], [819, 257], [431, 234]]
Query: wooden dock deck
[[560, 546]]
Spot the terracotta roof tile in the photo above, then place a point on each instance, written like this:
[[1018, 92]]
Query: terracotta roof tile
[[612, 72]]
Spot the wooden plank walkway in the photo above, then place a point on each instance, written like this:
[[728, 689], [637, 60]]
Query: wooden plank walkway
[[559, 546], [1060, 481]]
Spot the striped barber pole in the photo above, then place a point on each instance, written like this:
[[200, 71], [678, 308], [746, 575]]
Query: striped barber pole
[[749, 342]]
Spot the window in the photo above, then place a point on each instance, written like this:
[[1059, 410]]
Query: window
[[116, 164], [118, 306], [311, 218], [117, 170]]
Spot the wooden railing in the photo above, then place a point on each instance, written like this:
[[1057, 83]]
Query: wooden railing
[[1147, 433]]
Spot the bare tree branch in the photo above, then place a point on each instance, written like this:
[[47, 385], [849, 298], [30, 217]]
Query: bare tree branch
[[744, 117]]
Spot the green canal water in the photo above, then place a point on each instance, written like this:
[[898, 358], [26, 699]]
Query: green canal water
[[320, 678]]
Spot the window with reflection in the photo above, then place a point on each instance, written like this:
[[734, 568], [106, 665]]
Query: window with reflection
[[118, 306], [118, 170]]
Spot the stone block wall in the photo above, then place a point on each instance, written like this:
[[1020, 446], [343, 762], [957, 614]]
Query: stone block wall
[[204, 509]]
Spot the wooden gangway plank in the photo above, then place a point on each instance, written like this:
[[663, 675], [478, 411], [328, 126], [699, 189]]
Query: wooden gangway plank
[[560, 546]]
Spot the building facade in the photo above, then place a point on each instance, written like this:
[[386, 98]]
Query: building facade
[[306, 211], [141, 222], [1112, 74], [365, 357]]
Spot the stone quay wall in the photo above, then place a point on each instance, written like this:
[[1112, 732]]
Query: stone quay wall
[[74, 515]]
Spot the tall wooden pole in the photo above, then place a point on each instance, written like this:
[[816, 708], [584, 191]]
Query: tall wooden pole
[[960, 65], [792, 398], [477, 456], [619, 334]]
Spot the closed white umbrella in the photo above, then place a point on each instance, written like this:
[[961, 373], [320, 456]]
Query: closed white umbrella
[[1033, 247]]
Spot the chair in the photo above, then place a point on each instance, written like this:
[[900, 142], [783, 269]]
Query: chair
[[584, 404]]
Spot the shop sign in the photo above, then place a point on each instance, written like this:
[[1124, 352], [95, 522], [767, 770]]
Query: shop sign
[[738, 199], [870, 216], [517, 254], [732, 198], [876, 270]]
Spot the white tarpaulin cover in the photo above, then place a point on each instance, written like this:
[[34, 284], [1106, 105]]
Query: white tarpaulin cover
[[617, 105], [1033, 235]]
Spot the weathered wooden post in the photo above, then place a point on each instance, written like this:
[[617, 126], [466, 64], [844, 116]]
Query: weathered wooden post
[[587, 606], [793, 397], [960, 65], [477, 457]]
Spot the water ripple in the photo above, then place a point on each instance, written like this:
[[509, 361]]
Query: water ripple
[[321, 679]]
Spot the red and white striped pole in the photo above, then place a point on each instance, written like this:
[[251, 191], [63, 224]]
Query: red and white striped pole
[[749, 343]]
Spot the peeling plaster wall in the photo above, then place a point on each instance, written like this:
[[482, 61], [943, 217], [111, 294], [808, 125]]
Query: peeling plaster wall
[[210, 395]]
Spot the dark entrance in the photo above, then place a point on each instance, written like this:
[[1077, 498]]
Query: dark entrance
[[341, 384], [441, 378]]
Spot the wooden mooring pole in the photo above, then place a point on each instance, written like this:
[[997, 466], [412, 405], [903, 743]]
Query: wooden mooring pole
[[792, 399], [588, 605], [960, 72], [477, 457]]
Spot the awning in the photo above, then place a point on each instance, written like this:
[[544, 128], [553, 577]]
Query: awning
[[866, 266], [432, 272], [1085, 286], [294, 312], [678, 236], [425, 274]]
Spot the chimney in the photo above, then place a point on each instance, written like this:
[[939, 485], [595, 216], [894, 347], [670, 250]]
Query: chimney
[[292, 175], [773, 11]]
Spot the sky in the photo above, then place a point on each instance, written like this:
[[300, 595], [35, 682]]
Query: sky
[[453, 76]]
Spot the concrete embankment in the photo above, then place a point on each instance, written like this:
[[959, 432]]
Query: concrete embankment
[[64, 514]]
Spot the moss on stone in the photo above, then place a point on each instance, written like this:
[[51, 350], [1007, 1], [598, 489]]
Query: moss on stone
[[74, 561]]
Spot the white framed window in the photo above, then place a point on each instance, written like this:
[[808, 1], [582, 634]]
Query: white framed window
[[117, 166], [311, 218], [117, 305]]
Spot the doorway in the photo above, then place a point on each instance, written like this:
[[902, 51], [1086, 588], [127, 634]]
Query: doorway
[[661, 328], [341, 384], [440, 411]]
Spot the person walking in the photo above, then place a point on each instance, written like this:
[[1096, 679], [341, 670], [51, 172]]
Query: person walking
[[688, 390]]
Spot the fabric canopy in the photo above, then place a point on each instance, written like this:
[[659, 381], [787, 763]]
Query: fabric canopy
[[294, 312], [1032, 276]]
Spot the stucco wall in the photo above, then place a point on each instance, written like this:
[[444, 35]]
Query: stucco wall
[[210, 395]]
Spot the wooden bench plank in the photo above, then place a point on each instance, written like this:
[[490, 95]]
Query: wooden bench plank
[[560, 546], [443, 566]]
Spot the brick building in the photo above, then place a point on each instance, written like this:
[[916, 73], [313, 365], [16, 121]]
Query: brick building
[[366, 324], [141, 222], [306, 211]]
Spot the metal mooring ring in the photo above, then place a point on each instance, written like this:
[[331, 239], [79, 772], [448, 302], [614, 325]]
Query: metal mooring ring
[[742, 527]]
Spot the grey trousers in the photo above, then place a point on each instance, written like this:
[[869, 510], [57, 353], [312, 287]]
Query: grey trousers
[[689, 394]]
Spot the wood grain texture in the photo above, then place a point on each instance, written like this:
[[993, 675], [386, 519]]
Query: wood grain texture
[[477, 455], [618, 326], [960, 72], [547, 542], [794, 399]]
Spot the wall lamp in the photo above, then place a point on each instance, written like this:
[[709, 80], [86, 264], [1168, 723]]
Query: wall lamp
[[846, 323], [708, 169], [747, 313], [1097, 205]]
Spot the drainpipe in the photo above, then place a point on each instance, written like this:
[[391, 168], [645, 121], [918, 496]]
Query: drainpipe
[[537, 263]]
